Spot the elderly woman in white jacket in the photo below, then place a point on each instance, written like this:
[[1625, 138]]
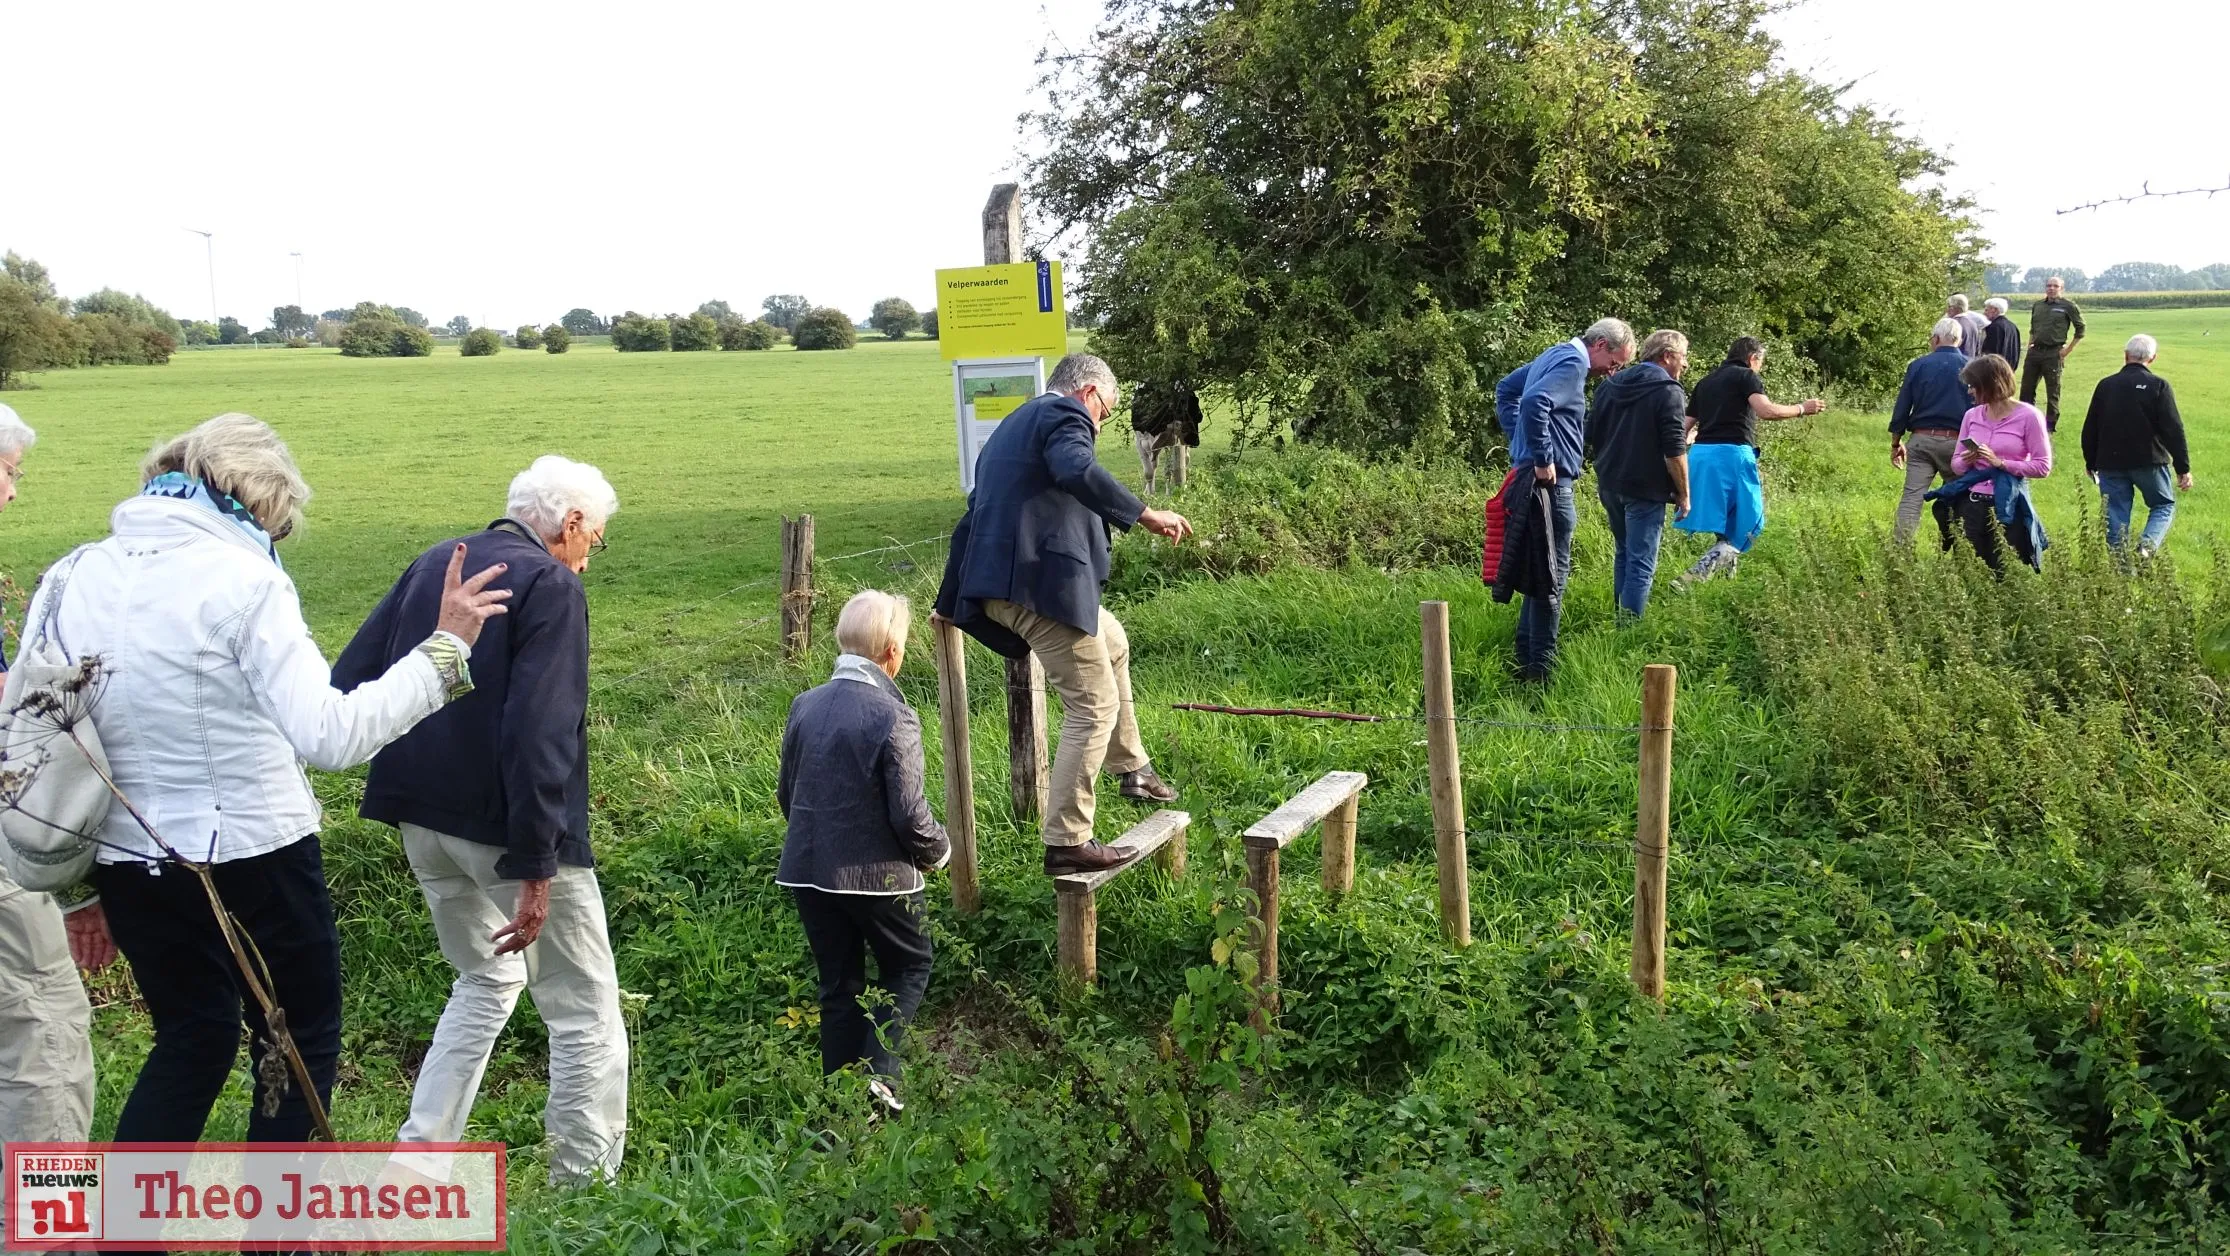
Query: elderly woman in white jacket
[[214, 695]]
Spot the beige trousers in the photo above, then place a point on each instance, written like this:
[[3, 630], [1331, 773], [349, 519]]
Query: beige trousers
[[568, 970], [46, 1026], [1927, 461], [1091, 673]]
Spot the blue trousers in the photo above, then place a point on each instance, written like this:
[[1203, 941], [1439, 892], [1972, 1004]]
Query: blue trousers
[[2120, 489], [1537, 616], [1637, 526]]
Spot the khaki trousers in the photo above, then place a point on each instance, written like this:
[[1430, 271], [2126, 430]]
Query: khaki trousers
[[1091, 673], [569, 971], [46, 1025], [1927, 461]]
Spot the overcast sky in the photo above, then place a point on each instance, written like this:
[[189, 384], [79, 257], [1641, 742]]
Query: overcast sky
[[508, 163]]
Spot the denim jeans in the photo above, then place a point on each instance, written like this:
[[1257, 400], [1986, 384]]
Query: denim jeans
[[1537, 617], [2120, 488], [1637, 525]]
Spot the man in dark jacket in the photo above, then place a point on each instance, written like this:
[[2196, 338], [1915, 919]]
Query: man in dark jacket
[[1024, 576], [860, 837], [1924, 426], [2131, 436], [491, 795], [1637, 439], [2001, 337]]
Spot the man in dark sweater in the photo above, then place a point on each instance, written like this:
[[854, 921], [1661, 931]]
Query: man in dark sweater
[[2001, 337], [491, 795], [1636, 439], [2131, 436], [1924, 425]]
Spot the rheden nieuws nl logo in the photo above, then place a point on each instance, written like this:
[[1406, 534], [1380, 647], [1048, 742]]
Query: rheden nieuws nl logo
[[363, 1197], [55, 1196]]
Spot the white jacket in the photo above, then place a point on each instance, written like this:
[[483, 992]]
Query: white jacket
[[214, 692]]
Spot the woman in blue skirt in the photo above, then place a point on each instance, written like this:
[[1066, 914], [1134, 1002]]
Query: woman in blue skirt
[[1726, 496]]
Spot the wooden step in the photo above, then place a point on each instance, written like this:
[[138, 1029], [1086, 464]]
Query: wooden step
[[1305, 810], [1145, 837]]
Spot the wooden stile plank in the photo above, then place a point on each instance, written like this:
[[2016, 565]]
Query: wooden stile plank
[[1148, 836], [1306, 808]]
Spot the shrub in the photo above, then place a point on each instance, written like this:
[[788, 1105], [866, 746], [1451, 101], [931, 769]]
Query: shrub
[[929, 322], [756, 334], [385, 338], [694, 333], [555, 339], [825, 328], [528, 337], [632, 333], [894, 317], [481, 342]]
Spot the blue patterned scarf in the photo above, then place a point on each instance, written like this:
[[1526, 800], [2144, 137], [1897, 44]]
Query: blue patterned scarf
[[183, 487]]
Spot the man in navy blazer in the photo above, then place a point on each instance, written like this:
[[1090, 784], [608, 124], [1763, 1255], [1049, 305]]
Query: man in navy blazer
[[1024, 575]]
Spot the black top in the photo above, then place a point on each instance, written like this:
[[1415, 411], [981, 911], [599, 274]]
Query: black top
[[851, 788], [507, 764], [2004, 339], [1036, 529], [1633, 428], [1721, 406], [2133, 424]]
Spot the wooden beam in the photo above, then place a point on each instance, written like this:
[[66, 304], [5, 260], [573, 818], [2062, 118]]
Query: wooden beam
[[1079, 936], [1653, 829], [1146, 837], [1449, 858], [1262, 878], [1337, 837], [1304, 810], [960, 781]]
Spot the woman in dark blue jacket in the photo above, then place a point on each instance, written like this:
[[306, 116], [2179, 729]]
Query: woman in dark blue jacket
[[861, 836]]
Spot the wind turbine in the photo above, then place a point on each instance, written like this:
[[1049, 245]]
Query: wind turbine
[[209, 238]]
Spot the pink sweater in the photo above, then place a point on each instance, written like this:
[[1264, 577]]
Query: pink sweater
[[2019, 438]]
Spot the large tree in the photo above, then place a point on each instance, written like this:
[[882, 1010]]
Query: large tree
[[290, 320], [33, 335], [894, 317], [580, 321], [1356, 217], [784, 309]]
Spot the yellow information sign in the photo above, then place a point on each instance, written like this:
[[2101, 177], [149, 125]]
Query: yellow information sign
[[1009, 311]]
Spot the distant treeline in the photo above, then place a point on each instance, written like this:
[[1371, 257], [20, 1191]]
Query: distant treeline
[[42, 330], [2142, 278]]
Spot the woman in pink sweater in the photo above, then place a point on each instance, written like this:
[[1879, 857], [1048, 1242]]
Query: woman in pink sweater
[[2000, 434]]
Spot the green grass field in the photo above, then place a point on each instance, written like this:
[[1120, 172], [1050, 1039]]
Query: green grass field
[[1813, 1086]]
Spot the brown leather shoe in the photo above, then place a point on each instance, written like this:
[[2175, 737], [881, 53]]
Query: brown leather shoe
[[1146, 786], [1088, 857]]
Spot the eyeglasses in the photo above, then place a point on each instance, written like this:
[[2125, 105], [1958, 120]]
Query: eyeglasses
[[15, 473], [596, 546]]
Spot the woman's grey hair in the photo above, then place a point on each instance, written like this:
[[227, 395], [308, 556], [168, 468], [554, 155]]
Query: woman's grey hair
[[545, 493], [1995, 305], [872, 622], [1947, 331], [1958, 303], [1661, 342], [1611, 333], [15, 434], [2141, 348], [1079, 371], [238, 454]]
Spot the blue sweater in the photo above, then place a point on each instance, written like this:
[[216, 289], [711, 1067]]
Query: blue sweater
[[1542, 407], [1932, 395]]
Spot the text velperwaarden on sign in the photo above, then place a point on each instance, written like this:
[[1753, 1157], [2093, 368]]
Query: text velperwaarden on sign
[[365, 1197], [1015, 310]]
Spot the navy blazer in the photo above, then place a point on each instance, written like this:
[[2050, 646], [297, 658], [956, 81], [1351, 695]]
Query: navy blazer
[[1036, 529], [507, 764]]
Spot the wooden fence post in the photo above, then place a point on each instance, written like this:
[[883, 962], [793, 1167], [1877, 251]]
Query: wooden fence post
[[1653, 828], [1026, 752], [1262, 878], [960, 781], [1337, 837], [797, 587], [1447, 777]]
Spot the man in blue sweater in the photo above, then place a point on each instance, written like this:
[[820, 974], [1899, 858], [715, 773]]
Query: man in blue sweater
[[1542, 407], [1924, 425]]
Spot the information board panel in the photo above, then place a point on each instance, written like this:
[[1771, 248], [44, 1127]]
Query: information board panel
[[1009, 311], [984, 391]]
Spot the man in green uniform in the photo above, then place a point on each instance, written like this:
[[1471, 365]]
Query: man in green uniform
[[2055, 327]]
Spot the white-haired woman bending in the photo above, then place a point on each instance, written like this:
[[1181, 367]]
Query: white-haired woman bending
[[213, 696]]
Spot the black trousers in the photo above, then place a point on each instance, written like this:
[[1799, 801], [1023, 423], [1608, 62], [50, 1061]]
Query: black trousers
[[185, 972], [841, 929], [1979, 517]]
